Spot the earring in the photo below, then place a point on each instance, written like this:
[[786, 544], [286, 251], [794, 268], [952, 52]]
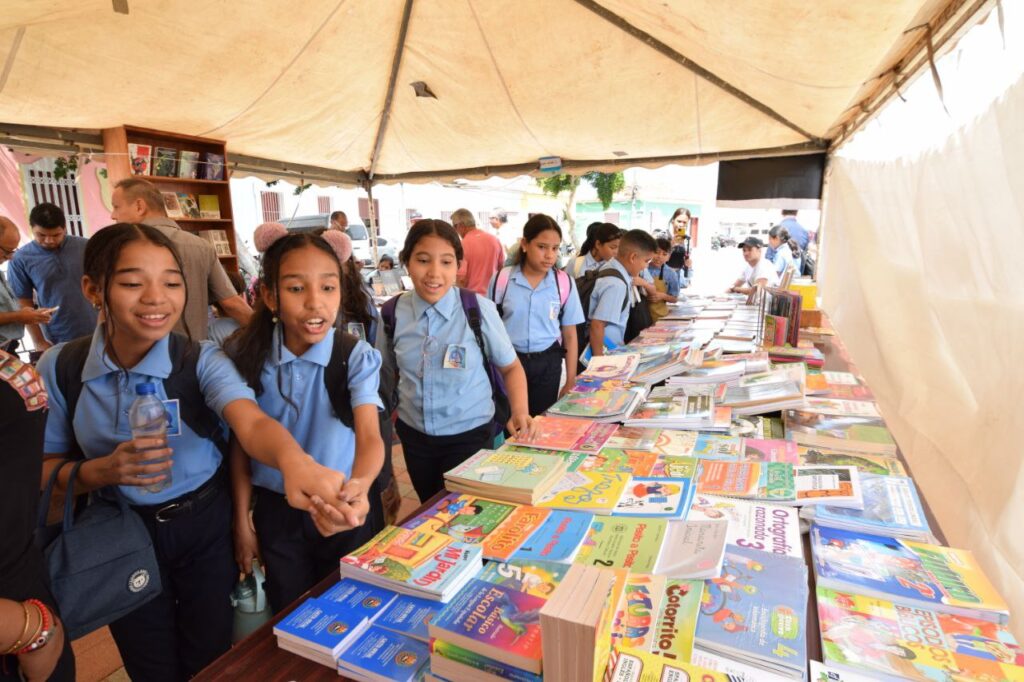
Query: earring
[[97, 306], [273, 317]]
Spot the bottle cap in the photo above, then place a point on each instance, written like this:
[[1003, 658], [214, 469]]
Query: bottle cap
[[145, 389]]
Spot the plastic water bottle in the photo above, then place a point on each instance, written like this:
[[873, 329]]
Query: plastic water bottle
[[148, 419]]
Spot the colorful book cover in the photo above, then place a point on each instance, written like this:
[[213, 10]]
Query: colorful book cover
[[942, 578], [676, 443], [668, 466], [717, 446], [466, 518], [878, 636], [635, 625], [471, 659], [360, 596], [595, 404], [189, 205], [758, 450], [324, 625], [565, 433], [558, 538], [386, 655], [861, 434], [539, 578], [757, 606], [611, 460], [209, 206], [766, 527], [881, 465], [404, 546], [618, 367], [212, 166], [821, 484], [660, 618], [623, 542], [495, 618], [770, 427], [731, 479], [816, 383], [188, 164], [629, 665], [513, 470], [596, 492], [777, 482], [409, 616], [841, 408], [849, 392], [523, 522], [139, 156], [171, 205], [666, 497], [891, 505], [603, 631], [165, 162], [573, 460], [634, 438]]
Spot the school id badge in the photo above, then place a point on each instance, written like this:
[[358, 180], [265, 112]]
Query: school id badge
[[173, 410], [454, 357], [553, 310], [356, 329]]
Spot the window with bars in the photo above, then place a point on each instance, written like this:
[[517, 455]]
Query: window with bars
[[323, 204], [43, 188], [270, 202], [364, 210]]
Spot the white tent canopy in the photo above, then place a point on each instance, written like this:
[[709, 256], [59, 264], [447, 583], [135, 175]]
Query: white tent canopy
[[632, 82]]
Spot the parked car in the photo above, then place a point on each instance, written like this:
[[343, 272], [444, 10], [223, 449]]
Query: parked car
[[360, 236]]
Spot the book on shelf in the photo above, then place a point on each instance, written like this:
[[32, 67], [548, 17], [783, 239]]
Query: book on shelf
[[209, 206], [381, 655], [632, 543], [165, 162], [212, 166], [892, 507], [171, 205], [218, 239], [523, 478], [913, 573], [494, 621], [565, 433], [593, 492], [140, 158], [881, 465], [655, 497], [755, 612], [859, 434], [759, 525], [558, 539], [693, 549], [188, 164], [877, 637], [417, 562], [189, 205]]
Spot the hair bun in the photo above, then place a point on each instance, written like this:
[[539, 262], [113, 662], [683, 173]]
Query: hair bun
[[340, 242], [266, 234]]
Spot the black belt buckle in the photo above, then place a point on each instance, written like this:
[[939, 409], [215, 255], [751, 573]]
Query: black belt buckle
[[172, 509]]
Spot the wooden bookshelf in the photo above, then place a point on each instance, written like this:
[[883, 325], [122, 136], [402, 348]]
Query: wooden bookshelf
[[119, 166]]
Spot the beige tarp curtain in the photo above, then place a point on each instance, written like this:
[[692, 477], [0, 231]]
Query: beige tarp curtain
[[922, 275], [514, 79]]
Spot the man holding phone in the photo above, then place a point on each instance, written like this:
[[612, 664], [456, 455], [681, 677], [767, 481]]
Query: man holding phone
[[48, 272]]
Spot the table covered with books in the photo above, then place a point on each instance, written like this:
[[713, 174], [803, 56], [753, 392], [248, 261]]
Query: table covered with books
[[717, 500]]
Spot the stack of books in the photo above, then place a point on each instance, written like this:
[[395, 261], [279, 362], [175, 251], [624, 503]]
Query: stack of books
[[603, 405], [567, 434], [519, 477], [857, 434], [681, 407], [891, 507]]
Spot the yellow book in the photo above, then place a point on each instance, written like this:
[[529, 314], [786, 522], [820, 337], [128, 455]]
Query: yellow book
[[594, 492]]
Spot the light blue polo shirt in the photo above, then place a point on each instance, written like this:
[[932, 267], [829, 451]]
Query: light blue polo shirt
[[531, 315], [606, 302], [56, 278], [100, 422], [311, 419], [666, 273], [444, 401], [9, 304], [579, 268]]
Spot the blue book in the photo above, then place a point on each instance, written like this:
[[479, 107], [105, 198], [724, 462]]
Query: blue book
[[757, 608], [408, 616], [323, 626], [558, 538], [367, 599], [384, 656], [891, 507]]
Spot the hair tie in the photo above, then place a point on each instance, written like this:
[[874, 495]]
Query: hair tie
[[340, 242], [266, 234]]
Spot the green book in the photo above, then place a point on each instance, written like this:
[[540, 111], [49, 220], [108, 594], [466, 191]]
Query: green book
[[508, 476], [623, 542]]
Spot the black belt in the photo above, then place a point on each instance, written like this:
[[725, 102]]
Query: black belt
[[556, 347], [183, 504]]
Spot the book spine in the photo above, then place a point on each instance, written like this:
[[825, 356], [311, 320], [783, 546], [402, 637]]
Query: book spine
[[474, 660]]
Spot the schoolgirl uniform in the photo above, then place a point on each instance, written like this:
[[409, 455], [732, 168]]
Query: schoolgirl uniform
[[294, 394], [582, 265], [534, 318], [445, 404], [783, 258], [188, 625]]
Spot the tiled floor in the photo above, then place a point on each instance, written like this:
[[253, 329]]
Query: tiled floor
[[96, 655]]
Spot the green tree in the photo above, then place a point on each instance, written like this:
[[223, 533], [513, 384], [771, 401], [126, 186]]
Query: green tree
[[606, 184]]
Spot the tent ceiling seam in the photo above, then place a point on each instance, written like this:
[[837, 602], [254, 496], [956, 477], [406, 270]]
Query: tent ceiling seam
[[687, 63], [501, 79], [389, 97], [696, 107], [280, 75], [12, 56]]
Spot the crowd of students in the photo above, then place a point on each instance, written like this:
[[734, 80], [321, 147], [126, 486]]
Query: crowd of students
[[283, 443]]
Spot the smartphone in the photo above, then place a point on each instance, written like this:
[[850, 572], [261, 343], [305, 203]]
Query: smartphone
[[50, 310]]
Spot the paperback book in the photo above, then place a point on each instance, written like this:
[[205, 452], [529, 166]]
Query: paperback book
[[171, 205], [693, 549], [457, 663], [675, 443], [860, 434], [564, 433], [658, 615], [718, 446], [380, 655], [623, 542], [633, 438], [602, 405], [165, 162], [539, 578], [522, 478], [891, 507], [668, 466], [766, 527], [610, 460], [841, 408], [139, 156], [655, 497], [759, 450], [408, 616], [881, 465], [639, 666], [320, 628], [836, 486], [558, 538], [593, 492], [188, 164]]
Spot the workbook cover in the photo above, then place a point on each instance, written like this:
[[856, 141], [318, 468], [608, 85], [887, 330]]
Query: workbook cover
[[668, 466], [558, 538], [623, 542], [635, 462], [323, 625], [658, 615], [409, 616], [595, 404], [385, 655], [718, 447], [676, 443], [758, 450], [891, 506], [508, 470], [665, 497], [730, 479], [634, 438], [466, 518], [539, 578], [522, 523], [758, 525], [565, 433], [573, 460], [860, 434], [629, 665], [881, 465], [597, 493], [359, 596]]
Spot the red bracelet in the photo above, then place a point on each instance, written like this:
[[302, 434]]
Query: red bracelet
[[46, 631]]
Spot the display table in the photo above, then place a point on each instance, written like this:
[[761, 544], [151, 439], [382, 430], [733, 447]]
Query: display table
[[258, 658]]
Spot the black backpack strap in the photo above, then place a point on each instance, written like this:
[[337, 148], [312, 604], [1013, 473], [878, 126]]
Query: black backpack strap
[[387, 316], [182, 384], [472, 309], [336, 377], [68, 370], [612, 272]]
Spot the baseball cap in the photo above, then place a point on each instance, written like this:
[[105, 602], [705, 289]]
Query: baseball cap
[[752, 242]]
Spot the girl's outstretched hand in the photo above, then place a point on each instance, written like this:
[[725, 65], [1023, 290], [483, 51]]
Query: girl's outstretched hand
[[304, 479]]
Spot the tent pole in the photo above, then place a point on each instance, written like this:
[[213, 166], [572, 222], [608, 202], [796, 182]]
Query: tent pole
[[373, 222], [689, 64], [389, 99]]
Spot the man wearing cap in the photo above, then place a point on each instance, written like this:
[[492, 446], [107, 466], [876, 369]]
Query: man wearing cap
[[759, 271]]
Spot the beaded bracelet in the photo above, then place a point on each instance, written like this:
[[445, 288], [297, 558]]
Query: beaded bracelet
[[24, 632], [45, 631]]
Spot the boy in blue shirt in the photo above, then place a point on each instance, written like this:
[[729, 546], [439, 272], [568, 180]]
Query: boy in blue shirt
[[608, 315]]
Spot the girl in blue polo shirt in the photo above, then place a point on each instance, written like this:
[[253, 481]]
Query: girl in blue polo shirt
[[540, 308], [445, 405], [600, 246], [133, 277], [283, 354]]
